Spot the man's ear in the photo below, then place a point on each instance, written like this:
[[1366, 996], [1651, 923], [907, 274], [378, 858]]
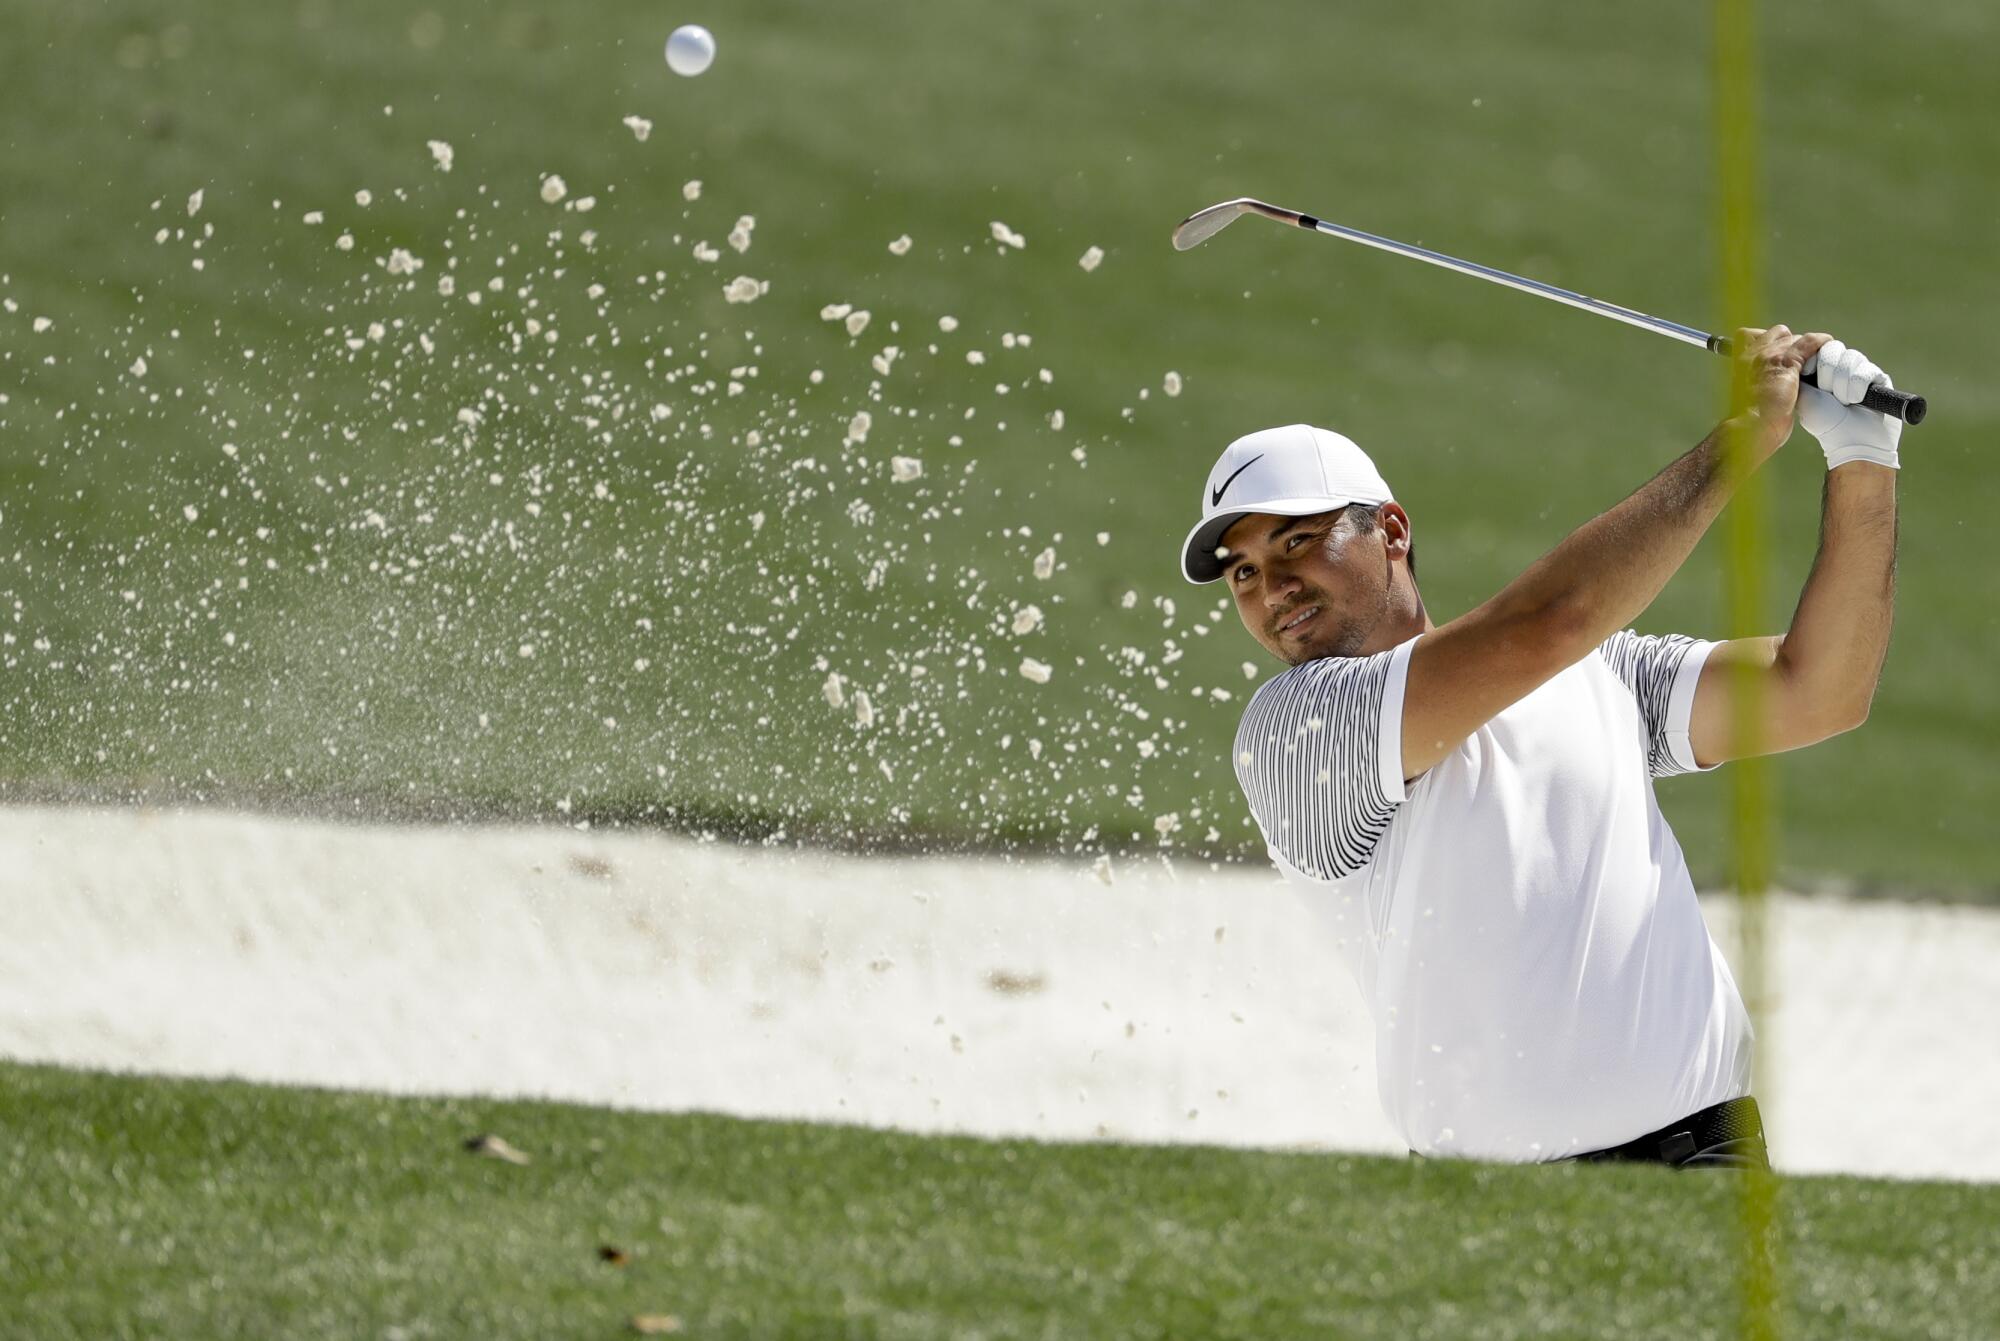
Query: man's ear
[[1395, 524]]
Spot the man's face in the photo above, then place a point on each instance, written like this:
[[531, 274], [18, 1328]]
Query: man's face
[[1307, 587]]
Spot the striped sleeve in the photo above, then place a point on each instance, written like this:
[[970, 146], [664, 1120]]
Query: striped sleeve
[[1320, 758], [1662, 672]]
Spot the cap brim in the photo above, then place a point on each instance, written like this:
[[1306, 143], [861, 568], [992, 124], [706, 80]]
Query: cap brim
[[1198, 561]]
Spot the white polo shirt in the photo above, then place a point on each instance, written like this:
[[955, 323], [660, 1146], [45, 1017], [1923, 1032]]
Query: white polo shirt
[[1520, 918]]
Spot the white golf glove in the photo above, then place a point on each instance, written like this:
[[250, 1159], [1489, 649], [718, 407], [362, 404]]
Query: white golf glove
[[1832, 411]]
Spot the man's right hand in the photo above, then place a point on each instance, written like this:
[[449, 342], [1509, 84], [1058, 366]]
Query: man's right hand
[[1765, 385]]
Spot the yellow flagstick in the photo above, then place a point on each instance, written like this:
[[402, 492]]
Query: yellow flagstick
[[1751, 800]]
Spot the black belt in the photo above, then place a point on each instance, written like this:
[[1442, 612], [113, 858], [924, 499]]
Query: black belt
[[1729, 1135]]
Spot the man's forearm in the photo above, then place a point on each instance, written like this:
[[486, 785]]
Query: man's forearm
[[1839, 637], [1608, 570]]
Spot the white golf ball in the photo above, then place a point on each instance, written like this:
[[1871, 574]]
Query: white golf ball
[[690, 49]]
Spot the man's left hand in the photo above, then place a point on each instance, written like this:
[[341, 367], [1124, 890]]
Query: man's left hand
[[1832, 411]]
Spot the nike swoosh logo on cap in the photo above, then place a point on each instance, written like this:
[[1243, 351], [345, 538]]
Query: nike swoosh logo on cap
[[1215, 498]]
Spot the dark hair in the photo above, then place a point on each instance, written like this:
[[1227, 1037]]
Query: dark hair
[[1363, 515]]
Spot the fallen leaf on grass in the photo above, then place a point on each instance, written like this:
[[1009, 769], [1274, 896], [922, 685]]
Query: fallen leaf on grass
[[493, 1147]]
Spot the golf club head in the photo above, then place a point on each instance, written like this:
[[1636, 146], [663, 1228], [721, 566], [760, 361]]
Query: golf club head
[[1202, 225]]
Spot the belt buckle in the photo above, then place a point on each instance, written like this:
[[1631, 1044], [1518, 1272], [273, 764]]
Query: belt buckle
[[1677, 1148]]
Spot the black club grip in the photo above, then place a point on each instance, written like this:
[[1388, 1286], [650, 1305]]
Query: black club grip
[[1887, 400]]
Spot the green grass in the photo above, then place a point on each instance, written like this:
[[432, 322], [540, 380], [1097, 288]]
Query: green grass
[[375, 600], [141, 1207]]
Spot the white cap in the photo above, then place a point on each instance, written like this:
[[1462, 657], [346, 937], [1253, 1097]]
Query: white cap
[[1294, 471]]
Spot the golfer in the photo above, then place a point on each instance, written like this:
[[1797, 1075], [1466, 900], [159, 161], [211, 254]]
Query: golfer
[[1469, 806]]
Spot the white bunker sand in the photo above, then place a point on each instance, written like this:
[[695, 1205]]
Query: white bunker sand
[[931, 994]]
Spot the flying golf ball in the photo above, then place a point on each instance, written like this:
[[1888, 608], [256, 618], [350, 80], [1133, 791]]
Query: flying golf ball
[[690, 49]]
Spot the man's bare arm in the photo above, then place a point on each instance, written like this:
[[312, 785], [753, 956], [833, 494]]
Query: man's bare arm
[[1819, 678], [1600, 578]]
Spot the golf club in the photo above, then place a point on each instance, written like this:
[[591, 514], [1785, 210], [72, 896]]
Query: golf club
[[1202, 225]]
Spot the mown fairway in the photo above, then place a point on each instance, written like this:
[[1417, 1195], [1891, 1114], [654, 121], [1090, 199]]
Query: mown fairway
[[565, 600], [149, 1208]]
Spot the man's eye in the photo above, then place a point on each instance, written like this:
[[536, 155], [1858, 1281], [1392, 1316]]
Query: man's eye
[[1293, 543], [1242, 573]]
